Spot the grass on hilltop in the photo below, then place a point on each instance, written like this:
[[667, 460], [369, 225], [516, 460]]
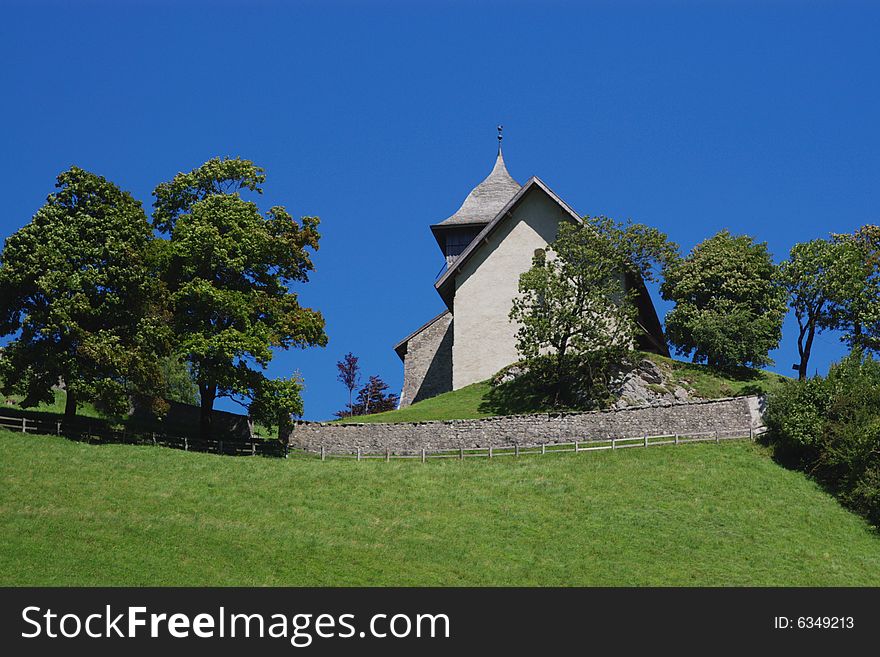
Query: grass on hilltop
[[78, 514], [709, 383], [467, 402], [475, 401]]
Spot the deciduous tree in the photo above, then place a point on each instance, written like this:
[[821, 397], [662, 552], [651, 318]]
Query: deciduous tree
[[729, 304], [575, 300], [229, 270], [372, 398], [348, 374], [77, 286], [821, 278], [859, 315]]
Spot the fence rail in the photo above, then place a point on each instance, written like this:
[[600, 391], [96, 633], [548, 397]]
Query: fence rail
[[84, 431], [95, 433], [576, 446]]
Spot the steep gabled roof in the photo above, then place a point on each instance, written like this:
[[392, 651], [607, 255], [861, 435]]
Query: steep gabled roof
[[486, 199], [445, 284]]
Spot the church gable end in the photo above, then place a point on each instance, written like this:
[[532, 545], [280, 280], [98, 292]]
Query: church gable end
[[427, 360], [488, 243], [486, 282]]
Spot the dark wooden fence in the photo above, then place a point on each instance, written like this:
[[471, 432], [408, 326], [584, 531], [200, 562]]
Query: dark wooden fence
[[99, 431]]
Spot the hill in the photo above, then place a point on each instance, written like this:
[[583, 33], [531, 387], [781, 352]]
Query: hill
[[77, 514], [475, 401]]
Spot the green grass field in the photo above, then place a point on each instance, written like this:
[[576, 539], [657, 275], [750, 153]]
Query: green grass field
[[473, 401], [77, 514], [467, 402]]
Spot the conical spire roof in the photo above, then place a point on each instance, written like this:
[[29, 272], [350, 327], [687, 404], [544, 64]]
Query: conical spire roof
[[486, 199]]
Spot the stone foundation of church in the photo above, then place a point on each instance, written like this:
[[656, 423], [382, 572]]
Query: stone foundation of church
[[731, 414]]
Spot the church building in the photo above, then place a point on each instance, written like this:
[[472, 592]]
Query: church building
[[489, 241]]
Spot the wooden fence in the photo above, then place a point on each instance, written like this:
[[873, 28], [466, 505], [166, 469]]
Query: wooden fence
[[97, 432], [586, 445]]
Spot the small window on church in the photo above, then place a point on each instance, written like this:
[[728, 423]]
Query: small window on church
[[539, 257], [456, 242]]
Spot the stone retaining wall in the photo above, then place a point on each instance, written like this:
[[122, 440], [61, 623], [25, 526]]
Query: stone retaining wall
[[737, 413]]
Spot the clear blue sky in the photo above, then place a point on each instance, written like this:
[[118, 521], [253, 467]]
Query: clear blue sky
[[380, 117]]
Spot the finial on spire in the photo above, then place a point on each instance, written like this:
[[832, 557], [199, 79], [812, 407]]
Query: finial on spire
[[500, 137]]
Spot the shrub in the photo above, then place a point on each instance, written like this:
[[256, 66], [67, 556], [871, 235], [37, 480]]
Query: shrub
[[831, 428]]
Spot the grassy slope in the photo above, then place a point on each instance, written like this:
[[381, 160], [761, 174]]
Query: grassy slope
[[471, 401], [56, 407], [72, 513], [463, 403], [710, 384]]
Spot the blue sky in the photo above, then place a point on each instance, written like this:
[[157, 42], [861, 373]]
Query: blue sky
[[380, 117]]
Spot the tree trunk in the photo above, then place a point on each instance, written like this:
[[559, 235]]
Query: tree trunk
[[560, 375], [70, 406], [207, 394], [804, 349]]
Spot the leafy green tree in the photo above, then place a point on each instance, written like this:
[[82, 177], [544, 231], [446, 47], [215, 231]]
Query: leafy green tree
[[729, 304], [178, 384], [77, 286], [859, 314], [228, 270], [576, 298], [273, 401], [821, 277]]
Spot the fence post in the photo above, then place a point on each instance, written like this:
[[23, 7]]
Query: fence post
[[323, 454], [676, 439], [751, 434], [461, 453], [24, 425], [185, 444], [516, 450], [646, 440], [613, 443], [358, 453], [387, 455], [58, 428], [253, 447], [490, 451], [423, 454], [543, 448], [154, 438], [575, 446], [717, 439], [220, 448]]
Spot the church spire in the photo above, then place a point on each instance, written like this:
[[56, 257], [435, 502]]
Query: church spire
[[487, 198]]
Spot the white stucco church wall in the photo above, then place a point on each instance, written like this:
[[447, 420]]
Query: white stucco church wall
[[484, 337]]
